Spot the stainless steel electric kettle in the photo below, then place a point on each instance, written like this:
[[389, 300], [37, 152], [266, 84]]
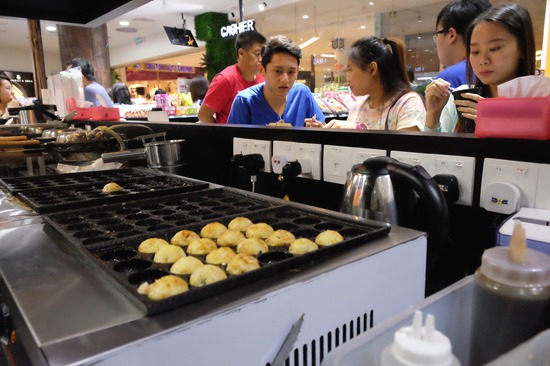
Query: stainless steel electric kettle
[[385, 189]]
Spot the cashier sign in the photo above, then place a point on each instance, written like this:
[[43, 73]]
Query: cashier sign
[[233, 29]]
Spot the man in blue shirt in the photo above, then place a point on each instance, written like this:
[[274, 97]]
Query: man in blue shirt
[[279, 98], [451, 24], [93, 91]]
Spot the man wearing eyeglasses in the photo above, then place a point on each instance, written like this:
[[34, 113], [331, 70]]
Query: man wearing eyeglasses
[[451, 24]]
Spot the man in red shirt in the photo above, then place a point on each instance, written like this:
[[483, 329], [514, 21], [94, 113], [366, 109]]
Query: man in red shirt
[[224, 87]]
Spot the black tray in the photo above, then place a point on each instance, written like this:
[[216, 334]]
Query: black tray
[[126, 268], [99, 226], [86, 195], [45, 182]]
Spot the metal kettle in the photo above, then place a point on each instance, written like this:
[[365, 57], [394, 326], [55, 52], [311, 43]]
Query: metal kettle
[[369, 191]]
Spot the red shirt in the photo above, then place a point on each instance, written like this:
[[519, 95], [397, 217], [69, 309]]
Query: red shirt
[[223, 89]]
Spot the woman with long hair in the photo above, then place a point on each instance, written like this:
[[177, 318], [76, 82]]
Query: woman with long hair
[[500, 47], [376, 70]]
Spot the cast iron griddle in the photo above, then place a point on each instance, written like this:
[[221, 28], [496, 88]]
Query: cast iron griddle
[[99, 226], [127, 269], [84, 195], [45, 182]]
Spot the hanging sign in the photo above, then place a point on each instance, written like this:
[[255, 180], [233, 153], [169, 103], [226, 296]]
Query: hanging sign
[[232, 30]]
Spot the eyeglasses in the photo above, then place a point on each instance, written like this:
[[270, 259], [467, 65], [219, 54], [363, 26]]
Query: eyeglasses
[[437, 33]]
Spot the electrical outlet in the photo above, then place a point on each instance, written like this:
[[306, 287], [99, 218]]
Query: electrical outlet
[[462, 167], [426, 160], [542, 196], [336, 163], [283, 152], [264, 148], [241, 146], [309, 155], [359, 154], [521, 174]]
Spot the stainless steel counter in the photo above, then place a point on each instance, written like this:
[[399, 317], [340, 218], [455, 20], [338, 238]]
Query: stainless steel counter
[[66, 314]]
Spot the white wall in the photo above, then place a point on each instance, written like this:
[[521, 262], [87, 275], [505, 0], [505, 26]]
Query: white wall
[[21, 60]]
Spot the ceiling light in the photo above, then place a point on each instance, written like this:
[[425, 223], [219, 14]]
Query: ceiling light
[[419, 19], [51, 28], [124, 23], [328, 55], [363, 27], [305, 16], [309, 41], [371, 3], [262, 6]]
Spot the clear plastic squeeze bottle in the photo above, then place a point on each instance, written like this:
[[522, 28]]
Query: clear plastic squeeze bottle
[[511, 298]]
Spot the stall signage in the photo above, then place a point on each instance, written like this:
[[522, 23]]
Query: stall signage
[[233, 29], [165, 67]]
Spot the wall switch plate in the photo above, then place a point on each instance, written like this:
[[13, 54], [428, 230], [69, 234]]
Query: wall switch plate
[[263, 148], [309, 154], [462, 167], [360, 154], [413, 158], [521, 174], [337, 162], [542, 196], [283, 152], [241, 146]]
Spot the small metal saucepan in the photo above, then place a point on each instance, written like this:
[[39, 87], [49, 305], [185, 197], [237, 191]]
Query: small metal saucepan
[[159, 154]]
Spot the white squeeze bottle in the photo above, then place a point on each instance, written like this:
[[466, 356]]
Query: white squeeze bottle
[[419, 346]]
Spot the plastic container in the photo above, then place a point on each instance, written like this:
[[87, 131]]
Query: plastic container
[[517, 118], [534, 352], [416, 345], [511, 301]]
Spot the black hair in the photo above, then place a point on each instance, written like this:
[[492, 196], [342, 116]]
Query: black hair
[[389, 55], [85, 66], [460, 13], [198, 86], [516, 20], [280, 44], [160, 91], [4, 77], [410, 73], [246, 40], [121, 94]]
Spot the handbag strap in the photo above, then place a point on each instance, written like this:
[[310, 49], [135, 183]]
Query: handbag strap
[[391, 106]]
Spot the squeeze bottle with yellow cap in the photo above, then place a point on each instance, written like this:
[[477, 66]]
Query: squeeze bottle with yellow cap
[[511, 298]]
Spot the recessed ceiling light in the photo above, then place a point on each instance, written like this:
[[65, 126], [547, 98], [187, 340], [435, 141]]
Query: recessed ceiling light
[[363, 27], [51, 28], [305, 16], [124, 23], [371, 3]]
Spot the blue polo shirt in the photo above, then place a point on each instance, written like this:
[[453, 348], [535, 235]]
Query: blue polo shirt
[[455, 74], [251, 108]]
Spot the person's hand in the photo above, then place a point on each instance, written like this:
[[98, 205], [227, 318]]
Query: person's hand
[[312, 122], [468, 106], [336, 123], [437, 94]]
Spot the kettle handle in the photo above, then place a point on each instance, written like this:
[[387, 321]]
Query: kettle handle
[[438, 220]]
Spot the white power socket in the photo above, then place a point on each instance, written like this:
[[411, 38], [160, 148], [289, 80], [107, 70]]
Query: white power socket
[[521, 174], [263, 148], [309, 154], [462, 167], [542, 197], [241, 146], [338, 161]]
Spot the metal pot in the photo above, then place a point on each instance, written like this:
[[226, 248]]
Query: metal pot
[[164, 154], [159, 155]]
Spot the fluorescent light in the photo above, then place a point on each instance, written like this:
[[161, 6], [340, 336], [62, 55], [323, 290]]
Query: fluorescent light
[[305, 16], [309, 41], [124, 23], [328, 55]]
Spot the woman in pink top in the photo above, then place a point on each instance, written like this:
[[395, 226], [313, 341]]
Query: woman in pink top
[[377, 74]]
